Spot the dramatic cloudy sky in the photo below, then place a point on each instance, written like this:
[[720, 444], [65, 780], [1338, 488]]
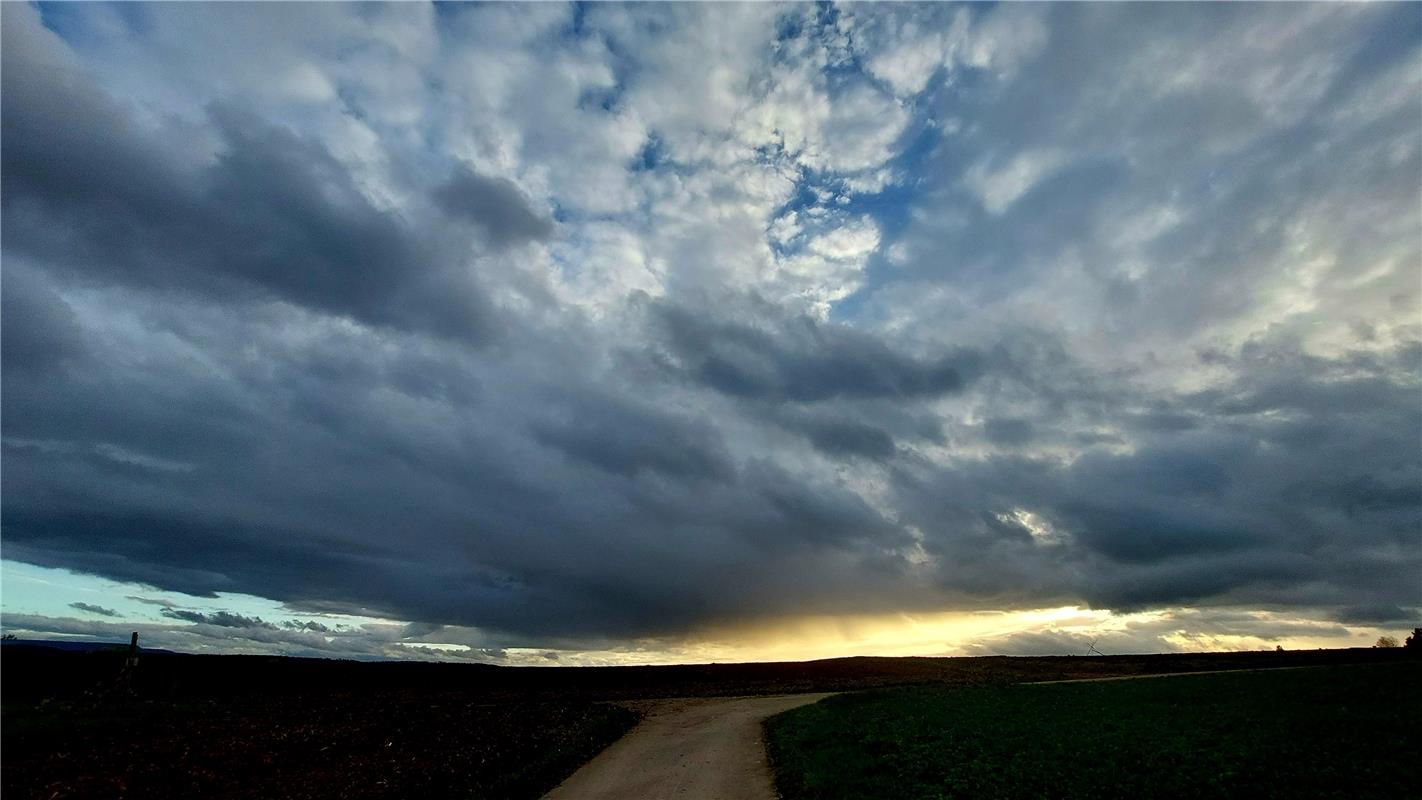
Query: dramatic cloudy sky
[[660, 332]]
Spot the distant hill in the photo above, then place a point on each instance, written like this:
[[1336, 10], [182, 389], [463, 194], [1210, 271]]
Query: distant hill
[[40, 670], [71, 646]]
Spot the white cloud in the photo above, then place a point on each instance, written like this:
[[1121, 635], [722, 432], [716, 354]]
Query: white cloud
[[827, 267], [999, 186], [860, 132], [910, 50], [1006, 37]]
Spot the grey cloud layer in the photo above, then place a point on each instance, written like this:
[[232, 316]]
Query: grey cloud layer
[[801, 361], [1178, 630], [351, 362], [269, 212]]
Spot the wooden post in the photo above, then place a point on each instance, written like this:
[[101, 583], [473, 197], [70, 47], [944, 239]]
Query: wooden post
[[130, 663]]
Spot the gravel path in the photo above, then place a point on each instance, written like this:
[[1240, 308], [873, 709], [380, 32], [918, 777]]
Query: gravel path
[[697, 749]]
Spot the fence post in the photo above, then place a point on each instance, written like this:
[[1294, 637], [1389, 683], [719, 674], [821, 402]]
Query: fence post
[[130, 663]]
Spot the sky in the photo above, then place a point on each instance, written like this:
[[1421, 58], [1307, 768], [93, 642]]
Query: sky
[[558, 334]]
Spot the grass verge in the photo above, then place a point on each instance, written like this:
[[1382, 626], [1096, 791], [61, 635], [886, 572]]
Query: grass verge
[[1319, 732]]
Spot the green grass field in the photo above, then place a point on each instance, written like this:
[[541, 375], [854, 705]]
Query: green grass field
[[1350, 731]]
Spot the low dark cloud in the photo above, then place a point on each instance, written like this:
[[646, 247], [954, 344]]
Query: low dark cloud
[[512, 534], [800, 360], [1008, 431], [369, 642], [626, 438], [222, 619], [93, 609], [1253, 506], [150, 601], [1180, 630], [1382, 614], [306, 625], [846, 437], [493, 204], [38, 330], [1059, 643]]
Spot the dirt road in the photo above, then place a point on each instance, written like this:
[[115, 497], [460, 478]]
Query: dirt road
[[699, 749]]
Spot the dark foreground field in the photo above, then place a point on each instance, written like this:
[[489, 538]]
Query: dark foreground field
[[1342, 731], [247, 726], [394, 745]]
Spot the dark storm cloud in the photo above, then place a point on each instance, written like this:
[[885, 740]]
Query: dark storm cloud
[[1008, 431], [801, 360], [1126, 534], [474, 528], [38, 330], [1252, 506], [820, 515], [846, 437], [1383, 614], [93, 609], [627, 438], [1164, 421], [1316, 506]]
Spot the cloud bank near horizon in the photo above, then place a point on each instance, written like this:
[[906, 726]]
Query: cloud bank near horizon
[[599, 323]]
